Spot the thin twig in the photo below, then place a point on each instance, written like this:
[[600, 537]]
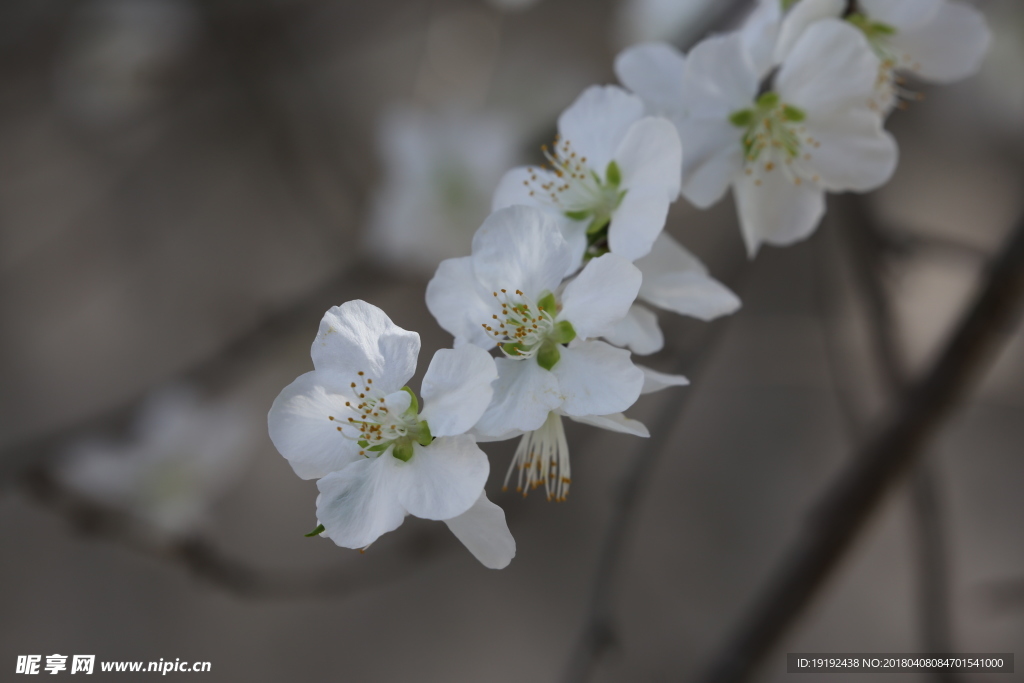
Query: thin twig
[[877, 465], [205, 561], [927, 510]]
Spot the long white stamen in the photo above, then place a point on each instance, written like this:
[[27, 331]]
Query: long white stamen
[[542, 457]]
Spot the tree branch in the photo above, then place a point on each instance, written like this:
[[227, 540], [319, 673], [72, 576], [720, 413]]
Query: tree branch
[[877, 465]]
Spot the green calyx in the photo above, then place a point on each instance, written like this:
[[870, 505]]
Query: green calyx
[[563, 332], [414, 404], [550, 349], [548, 355], [873, 30], [787, 4], [768, 122], [548, 303], [403, 447], [315, 532], [601, 215]]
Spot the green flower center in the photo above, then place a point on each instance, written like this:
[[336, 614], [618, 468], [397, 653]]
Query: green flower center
[[526, 329]]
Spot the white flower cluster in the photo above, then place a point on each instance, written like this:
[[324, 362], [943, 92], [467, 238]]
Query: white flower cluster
[[788, 107]]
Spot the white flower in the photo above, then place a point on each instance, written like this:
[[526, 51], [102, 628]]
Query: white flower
[[674, 280], [440, 170], [184, 452], [940, 41], [613, 174], [354, 425], [782, 150], [774, 26]]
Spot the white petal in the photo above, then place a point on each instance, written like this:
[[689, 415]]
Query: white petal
[[947, 48], [359, 503], [651, 157], [358, 336], [456, 300], [714, 156], [600, 296], [777, 211], [523, 396], [442, 480], [457, 389], [515, 188], [759, 34], [902, 15], [638, 332], [720, 76], [803, 14], [637, 221], [656, 381], [596, 378], [597, 121], [616, 422], [482, 529], [855, 152], [655, 72], [301, 427], [831, 68], [520, 247], [676, 280]]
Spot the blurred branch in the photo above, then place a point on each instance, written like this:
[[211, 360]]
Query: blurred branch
[[877, 465], [868, 252], [204, 560]]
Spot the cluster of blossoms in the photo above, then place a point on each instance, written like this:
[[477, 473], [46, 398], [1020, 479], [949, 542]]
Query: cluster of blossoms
[[552, 302]]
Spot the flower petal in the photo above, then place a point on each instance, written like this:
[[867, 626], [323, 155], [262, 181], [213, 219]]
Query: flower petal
[[358, 336], [714, 157], [676, 280], [947, 48], [596, 378], [720, 77], [854, 152], [656, 381], [831, 68], [444, 479], [482, 529], [655, 72], [651, 157], [457, 302], [597, 121], [902, 15], [600, 296], [616, 422], [759, 34], [359, 503], [637, 221], [457, 389], [803, 14], [520, 247], [777, 211], [515, 188], [523, 396], [638, 331], [302, 428]]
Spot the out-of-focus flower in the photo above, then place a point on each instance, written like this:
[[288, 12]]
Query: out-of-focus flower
[[440, 171], [613, 174], [121, 54], [352, 424], [508, 294], [183, 454], [781, 150]]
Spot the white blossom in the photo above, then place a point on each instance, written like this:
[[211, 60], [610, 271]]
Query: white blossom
[[781, 150], [183, 453], [612, 175], [352, 424]]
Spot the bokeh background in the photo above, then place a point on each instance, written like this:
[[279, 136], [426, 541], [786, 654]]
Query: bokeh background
[[185, 187]]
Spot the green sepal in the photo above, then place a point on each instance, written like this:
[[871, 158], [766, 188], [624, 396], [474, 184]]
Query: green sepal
[[315, 532], [548, 355], [548, 303], [563, 333], [414, 404], [742, 118], [424, 437], [379, 447], [786, 4], [598, 223], [403, 449], [363, 443], [613, 174], [512, 349], [794, 114], [768, 100], [577, 215]]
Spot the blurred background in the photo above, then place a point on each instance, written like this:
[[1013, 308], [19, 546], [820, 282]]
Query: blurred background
[[187, 185]]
